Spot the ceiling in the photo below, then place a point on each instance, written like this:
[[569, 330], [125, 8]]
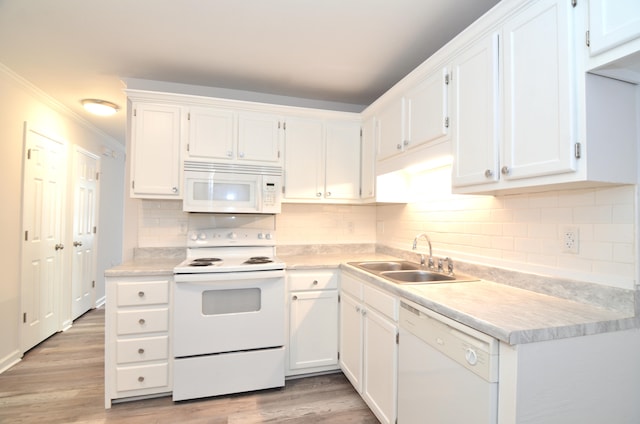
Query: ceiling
[[343, 51]]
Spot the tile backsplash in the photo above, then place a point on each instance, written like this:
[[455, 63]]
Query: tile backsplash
[[518, 232]]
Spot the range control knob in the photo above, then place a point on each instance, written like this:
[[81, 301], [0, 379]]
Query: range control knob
[[193, 236], [202, 236], [260, 236], [232, 235], [268, 236]]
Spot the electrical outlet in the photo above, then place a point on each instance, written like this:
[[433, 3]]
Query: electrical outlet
[[570, 240]]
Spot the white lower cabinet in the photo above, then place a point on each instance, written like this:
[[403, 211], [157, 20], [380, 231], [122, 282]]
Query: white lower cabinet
[[369, 344], [137, 332], [313, 321]]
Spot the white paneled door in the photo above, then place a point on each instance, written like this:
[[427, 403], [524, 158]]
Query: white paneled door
[[84, 225], [42, 246]]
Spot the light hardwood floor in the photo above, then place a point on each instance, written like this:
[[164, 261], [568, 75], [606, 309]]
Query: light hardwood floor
[[62, 381]]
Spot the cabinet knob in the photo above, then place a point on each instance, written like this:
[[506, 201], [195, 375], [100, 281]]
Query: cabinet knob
[[357, 309], [141, 321], [364, 312], [406, 142], [174, 189], [318, 194], [59, 246], [398, 146], [141, 351], [241, 154], [229, 153], [315, 282], [488, 173], [328, 194], [294, 297], [140, 294], [505, 170], [141, 379], [77, 243]]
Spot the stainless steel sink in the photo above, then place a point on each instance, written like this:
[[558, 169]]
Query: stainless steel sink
[[387, 266], [405, 272]]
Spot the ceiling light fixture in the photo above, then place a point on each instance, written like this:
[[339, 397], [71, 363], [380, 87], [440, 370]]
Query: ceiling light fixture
[[100, 107]]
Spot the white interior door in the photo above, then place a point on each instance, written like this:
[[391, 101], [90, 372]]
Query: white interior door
[[84, 224], [42, 248]]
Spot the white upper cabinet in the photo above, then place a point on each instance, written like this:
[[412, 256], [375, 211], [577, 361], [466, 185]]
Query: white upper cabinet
[[390, 127], [526, 115], [212, 133], [426, 112], [342, 160], [418, 117], [155, 150], [474, 103], [225, 134], [322, 160], [612, 23], [368, 160], [259, 137], [539, 91], [303, 163]]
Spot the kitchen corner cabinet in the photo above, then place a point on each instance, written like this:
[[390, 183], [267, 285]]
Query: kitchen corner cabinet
[[554, 116], [137, 333], [227, 135], [322, 160], [369, 344], [417, 118], [313, 321], [155, 151]]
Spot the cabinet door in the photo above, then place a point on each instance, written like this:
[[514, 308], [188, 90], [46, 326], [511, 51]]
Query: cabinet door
[[539, 91], [368, 160], [474, 117], [303, 165], [380, 365], [351, 329], [612, 23], [390, 130], [155, 150], [313, 329], [259, 137], [426, 110], [211, 133], [342, 160]]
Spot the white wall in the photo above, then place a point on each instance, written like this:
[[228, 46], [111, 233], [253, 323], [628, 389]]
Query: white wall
[[22, 102]]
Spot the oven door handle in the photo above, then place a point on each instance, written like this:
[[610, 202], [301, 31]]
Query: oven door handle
[[205, 277]]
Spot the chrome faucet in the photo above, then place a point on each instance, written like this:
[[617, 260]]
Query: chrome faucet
[[415, 246], [449, 265]]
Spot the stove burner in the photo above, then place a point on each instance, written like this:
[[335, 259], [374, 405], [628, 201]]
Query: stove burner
[[200, 263], [207, 260], [258, 260]]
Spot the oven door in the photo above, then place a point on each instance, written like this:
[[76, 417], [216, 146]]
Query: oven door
[[228, 312]]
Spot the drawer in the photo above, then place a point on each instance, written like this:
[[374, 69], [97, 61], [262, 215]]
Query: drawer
[[142, 349], [142, 377], [350, 285], [312, 280], [143, 321], [142, 293], [382, 302]]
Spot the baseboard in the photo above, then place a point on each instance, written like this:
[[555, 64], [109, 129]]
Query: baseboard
[[10, 360]]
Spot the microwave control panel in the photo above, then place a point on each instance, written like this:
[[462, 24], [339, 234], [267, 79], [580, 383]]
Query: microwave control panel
[[270, 194]]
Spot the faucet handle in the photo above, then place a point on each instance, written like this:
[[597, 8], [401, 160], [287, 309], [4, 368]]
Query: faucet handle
[[431, 264], [440, 265], [449, 265]]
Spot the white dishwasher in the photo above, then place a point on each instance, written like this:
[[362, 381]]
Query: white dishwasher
[[447, 372]]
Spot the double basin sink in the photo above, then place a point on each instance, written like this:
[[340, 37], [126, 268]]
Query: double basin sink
[[405, 272]]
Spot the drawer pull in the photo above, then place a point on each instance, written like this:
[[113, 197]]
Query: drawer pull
[[140, 294], [294, 298], [141, 321], [141, 351], [141, 379], [315, 282]]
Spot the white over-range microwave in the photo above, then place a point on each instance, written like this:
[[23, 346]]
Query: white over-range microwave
[[231, 188]]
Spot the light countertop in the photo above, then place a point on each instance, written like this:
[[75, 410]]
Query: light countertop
[[510, 314]]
